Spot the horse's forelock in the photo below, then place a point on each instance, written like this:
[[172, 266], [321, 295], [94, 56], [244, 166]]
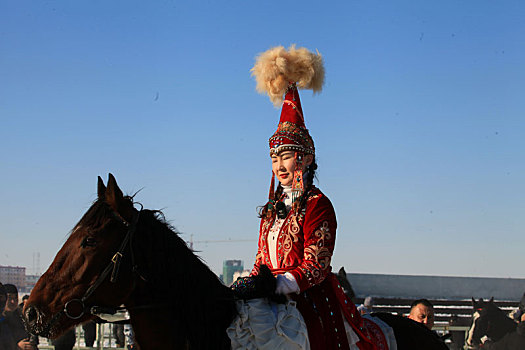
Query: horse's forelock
[[95, 216]]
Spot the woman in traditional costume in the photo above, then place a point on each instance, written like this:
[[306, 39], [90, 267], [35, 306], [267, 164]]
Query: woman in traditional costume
[[298, 223]]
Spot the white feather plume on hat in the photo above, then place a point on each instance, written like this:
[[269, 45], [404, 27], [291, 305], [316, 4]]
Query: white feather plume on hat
[[277, 67]]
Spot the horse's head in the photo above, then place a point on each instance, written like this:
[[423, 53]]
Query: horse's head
[[89, 269], [345, 283], [487, 321]]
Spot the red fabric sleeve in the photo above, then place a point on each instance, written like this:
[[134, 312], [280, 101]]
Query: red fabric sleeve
[[319, 229]]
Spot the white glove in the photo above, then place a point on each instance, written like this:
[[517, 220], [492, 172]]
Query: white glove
[[287, 284], [120, 315]]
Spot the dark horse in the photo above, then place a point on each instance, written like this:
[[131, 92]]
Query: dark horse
[[118, 255], [487, 320], [409, 334], [345, 284]]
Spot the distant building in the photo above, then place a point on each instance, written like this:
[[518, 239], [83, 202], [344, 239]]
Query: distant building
[[14, 275], [30, 283], [229, 267], [436, 287]]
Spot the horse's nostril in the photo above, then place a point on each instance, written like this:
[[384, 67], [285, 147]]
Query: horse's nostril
[[31, 314]]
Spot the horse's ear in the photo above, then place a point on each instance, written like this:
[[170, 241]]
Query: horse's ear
[[491, 300], [342, 271], [473, 302], [101, 189], [115, 198]]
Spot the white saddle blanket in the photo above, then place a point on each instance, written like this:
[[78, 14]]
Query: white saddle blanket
[[268, 326]]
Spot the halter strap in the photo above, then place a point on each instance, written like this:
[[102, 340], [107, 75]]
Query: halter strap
[[112, 267]]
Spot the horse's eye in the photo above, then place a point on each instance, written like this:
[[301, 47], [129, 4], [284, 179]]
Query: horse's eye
[[88, 242]]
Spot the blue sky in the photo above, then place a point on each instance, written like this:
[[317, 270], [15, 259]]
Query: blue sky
[[418, 130]]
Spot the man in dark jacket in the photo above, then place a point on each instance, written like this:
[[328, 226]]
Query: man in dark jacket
[[13, 317], [7, 341]]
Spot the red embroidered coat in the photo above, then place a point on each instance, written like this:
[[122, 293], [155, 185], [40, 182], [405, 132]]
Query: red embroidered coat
[[305, 245]]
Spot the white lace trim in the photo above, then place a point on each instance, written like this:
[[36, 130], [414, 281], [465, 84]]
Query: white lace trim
[[273, 234], [352, 337], [287, 284], [268, 326]]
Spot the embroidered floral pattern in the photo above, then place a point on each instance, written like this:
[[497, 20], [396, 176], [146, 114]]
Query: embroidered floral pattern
[[291, 134], [262, 253], [312, 197], [375, 334], [309, 251], [290, 237], [319, 253]]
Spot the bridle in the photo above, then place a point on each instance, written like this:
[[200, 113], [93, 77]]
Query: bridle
[[111, 268]]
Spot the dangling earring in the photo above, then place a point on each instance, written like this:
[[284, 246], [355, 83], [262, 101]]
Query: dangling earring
[[297, 183]]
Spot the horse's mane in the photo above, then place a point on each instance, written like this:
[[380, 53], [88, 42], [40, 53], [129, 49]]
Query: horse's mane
[[172, 255], [499, 315], [176, 276], [173, 280]]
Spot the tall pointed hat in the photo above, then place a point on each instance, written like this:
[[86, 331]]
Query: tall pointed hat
[[280, 73]]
